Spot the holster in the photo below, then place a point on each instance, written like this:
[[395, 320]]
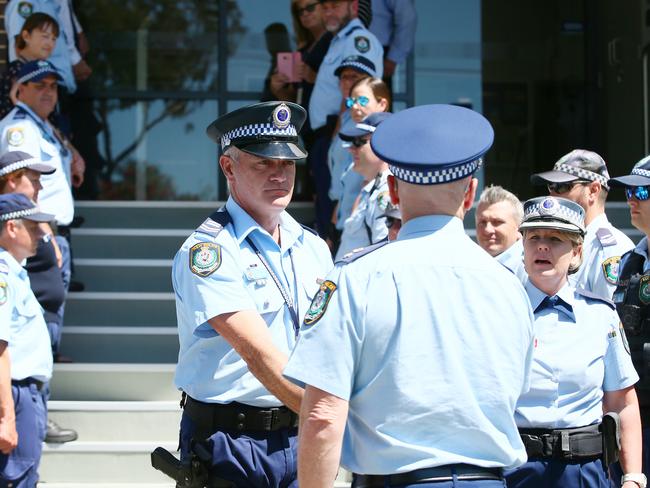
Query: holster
[[610, 427]]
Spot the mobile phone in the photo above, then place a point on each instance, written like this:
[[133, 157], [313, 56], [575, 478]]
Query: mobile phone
[[288, 65]]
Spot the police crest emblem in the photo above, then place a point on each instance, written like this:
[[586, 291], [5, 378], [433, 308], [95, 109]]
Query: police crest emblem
[[362, 44], [610, 269], [319, 303], [25, 9], [205, 258], [644, 289], [15, 136]]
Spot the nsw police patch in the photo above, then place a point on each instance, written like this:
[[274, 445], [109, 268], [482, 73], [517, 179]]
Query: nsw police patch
[[610, 269], [205, 258], [362, 44], [25, 9], [15, 136], [644, 289], [319, 303]]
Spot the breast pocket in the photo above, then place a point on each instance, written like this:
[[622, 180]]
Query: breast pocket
[[25, 311], [263, 290]]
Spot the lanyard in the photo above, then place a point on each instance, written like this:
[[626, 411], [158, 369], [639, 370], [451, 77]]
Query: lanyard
[[283, 291], [51, 138]]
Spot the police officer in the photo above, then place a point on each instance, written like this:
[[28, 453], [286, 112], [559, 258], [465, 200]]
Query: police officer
[[581, 365], [632, 296], [367, 224], [581, 176], [425, 371], [24, 334], [241, 281]]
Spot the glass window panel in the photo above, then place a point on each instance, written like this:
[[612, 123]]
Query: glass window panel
[[158, 150]]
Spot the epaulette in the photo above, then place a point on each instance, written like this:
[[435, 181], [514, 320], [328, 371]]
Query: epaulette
[[361, 251], [215, 223], [309, 229], [19, 115], [593, 296], [356, 27], [4, 267], [606, 237]]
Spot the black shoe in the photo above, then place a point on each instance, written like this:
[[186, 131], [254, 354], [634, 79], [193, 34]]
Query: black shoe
[[76, 286], [58, 434]]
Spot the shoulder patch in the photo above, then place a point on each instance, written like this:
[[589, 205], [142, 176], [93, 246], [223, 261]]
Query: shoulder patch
[[593, 296], [644, 289], [20, 115], [205, 258], [215, 223], [606, 237], [361, 251], [309, 229], [610, 269], [319, 303], [25, 9], [15, 136], [3, 292], [362, 44]]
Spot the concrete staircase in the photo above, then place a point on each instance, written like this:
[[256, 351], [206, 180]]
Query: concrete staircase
[[121, 332]]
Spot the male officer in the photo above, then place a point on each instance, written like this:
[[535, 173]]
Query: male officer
[[24, 334], [498, 216], [581, 176], [426, 372], [350, 38], [632, 295], [242, 280]]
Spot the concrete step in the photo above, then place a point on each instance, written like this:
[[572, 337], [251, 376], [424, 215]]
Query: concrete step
[[124, 275], [119, 421], [119, 308], [127, 243], [114, 382], [101, 344]]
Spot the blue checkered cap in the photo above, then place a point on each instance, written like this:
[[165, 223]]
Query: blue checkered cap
[[640, 175], [20, 206], [358, 63], [433, 144], [553, 213], [36, 71]]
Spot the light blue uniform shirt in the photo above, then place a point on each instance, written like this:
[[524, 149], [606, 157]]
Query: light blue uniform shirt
[[15, 14], [429, 352], [339, 159], [351, 183], [394, 23], [601, 252], [209, 369], [513, 259], [22, 324], [579, 353], [367, 224], [353, 39]]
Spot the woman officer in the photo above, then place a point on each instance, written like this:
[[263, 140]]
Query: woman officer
[[581, 364]]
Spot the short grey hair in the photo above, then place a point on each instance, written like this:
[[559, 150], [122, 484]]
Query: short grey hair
[[233, 153], [495, 194]]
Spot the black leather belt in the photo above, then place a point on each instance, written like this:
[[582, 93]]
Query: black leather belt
[[439, 474], [27, 382], [211, 417], [567, 444]]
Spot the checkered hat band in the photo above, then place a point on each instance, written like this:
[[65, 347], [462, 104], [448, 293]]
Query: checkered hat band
[[434, 177], [17, 165], [563, 213], [257, 130], [641, 172], [360, 66], [19, 214], [34, 74], [582, 173]]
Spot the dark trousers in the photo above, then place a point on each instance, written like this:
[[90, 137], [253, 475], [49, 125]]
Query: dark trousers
[[320, 173], [553, 473], [248, 459], [20, 468]]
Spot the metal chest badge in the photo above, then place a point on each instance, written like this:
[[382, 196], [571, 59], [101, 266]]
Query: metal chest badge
[[319, 303], [205, 258], [610, 269], [644, 292], [281, 116]]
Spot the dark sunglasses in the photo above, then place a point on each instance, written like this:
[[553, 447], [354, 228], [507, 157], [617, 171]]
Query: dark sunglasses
[[362, 101], [560, 188], [359, 142], [640, 193], [307, 8]]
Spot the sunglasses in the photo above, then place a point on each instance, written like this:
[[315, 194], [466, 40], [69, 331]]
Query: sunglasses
[[307, 8], [560, 188], [362, 101], [640, 193], [359, 142]]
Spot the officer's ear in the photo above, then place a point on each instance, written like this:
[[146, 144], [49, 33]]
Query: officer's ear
[[470, 194], [226, 163], [392, 190]]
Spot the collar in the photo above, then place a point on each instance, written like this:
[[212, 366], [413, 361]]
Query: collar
[[597, 223], [376, 182], [642, 247], [29, 110], [430, 223], [354, 24], [244, 225], [517, 249], [566, 295], [13, 265]]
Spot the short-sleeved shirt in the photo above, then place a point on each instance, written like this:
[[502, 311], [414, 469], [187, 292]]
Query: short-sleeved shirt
[[339, 159], [433, 343], [601, 253], [21, 323], [394, 22], [209, 369], [17, 11], [353, 39], [367, 224], [513, 259], [580, 351], [23, 130]]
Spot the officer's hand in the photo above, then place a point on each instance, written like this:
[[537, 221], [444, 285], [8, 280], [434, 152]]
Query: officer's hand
[[8, 435], [81, 71], [83, 44], [77, 168], [389, 67], [13, 93], [306, 73]]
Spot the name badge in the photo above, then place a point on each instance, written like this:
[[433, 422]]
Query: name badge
[[257, 274]]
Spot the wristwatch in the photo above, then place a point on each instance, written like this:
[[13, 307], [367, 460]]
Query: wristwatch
[[638, 478]]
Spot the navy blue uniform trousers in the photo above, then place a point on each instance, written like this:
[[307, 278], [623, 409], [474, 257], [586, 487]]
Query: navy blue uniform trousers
[[558, 474]]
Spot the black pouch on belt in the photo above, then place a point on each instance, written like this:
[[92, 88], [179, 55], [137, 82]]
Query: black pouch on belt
[[610, 427]]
